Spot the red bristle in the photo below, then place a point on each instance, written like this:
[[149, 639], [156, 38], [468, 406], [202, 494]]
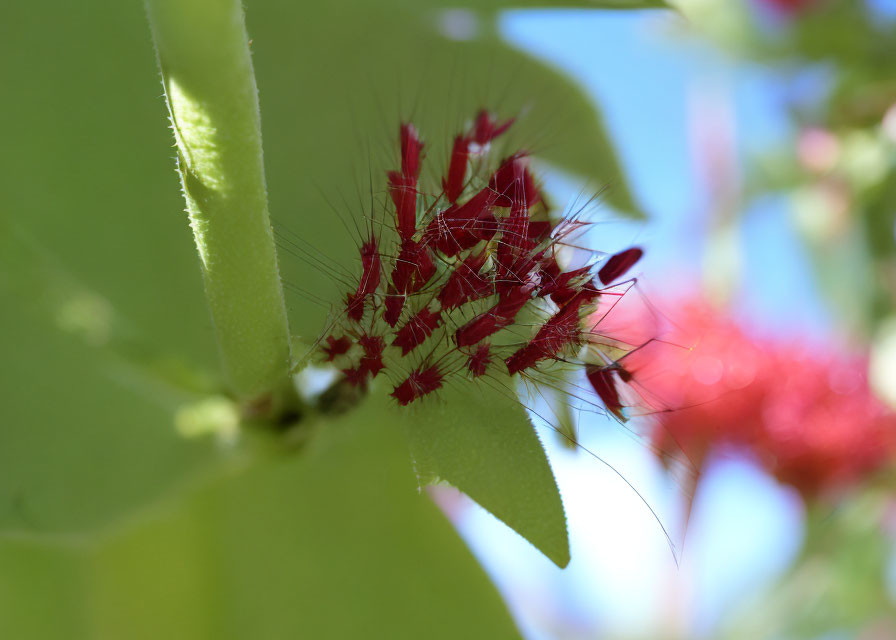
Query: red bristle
[[403, 191], [461, 227], [355, 376], [601, 379], [487, 129], [465, 283], [513, 182], [372, 360], [564, 285], [499, 316], [618, 264], [418, 384], [453, 184], [477, 329], [479, 360], [336, 347], [354, 306], [411, 146], [394, 306], [514, 258], [561, 330], [371, 268], [514, 271], [414, 267], [416, 330], [515, 229], [539, 230], [371, 273]]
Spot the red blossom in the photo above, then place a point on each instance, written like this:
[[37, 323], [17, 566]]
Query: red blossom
[[807, 414]]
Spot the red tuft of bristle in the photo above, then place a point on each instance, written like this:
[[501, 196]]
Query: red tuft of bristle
[[416, 330], [465, 283], [355, 376], [403, 191], [371, 273], [479, 360], [486, 127], [604, 385], [419, 383], [394, 306], [514, 183], [371, 268], [464, 246], [499, 316], [453, 183], [411, 146], [414, 267], [372, 360], [336, 347], [461, 227], [562, 286], [560, 331], [619, 264], [354, 306]]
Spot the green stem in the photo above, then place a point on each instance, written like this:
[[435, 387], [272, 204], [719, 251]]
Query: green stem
[[203, 53]]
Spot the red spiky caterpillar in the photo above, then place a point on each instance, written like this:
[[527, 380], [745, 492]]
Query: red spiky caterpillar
[[464, 279]]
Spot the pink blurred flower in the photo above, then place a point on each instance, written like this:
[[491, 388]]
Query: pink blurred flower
[[807, 415]]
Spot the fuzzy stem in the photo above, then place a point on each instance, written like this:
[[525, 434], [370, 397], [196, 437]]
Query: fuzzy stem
[[203, 53]]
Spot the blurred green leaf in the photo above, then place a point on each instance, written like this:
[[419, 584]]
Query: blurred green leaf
[[482, 442], [332, 543], [87, 436]]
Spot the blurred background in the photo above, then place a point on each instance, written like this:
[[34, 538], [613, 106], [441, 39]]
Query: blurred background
[[749, 146]]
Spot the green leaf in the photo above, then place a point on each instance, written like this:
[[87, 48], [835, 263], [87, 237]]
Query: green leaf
[[333, 543], [481, 441], [87, 436]]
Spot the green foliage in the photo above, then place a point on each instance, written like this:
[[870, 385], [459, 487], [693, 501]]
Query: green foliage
[[107, 514], [483, 444], [332, 542]]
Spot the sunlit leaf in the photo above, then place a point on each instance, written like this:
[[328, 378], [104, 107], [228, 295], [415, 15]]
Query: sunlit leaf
[[480, 441]]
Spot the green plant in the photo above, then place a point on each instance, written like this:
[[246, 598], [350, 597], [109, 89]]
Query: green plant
[[112, 518]]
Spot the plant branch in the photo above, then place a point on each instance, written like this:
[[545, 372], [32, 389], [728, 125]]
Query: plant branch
[[203, 53]]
